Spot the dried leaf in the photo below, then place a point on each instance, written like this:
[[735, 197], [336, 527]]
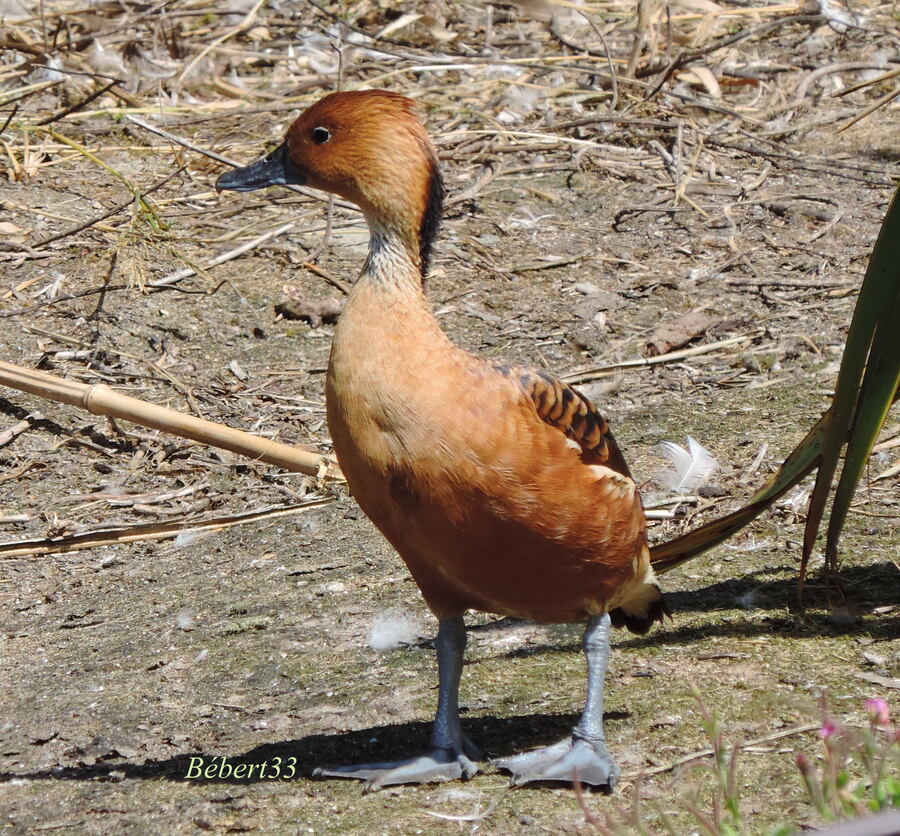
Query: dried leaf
[[702, 77], [675, 334], [11, 232], [438, 31], [237, 371], [697, 6], [876, 679], [400, 23]]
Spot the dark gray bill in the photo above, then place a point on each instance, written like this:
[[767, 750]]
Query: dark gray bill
[[275, 169]]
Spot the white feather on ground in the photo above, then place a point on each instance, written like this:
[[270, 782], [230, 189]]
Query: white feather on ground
[[691, 467], [392, 629], [185, 619], [188, 537]]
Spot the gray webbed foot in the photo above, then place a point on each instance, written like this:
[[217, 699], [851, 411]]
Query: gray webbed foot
[[435, 765], [583, 757], [572, 759]]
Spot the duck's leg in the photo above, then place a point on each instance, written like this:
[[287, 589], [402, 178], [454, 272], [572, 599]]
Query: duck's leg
[[451, 754], [583, 756]]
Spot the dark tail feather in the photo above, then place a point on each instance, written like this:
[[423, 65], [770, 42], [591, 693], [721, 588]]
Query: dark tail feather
[[657, 610]]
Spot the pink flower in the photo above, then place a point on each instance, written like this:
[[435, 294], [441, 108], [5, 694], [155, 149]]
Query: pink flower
[[828, 729], [878, 711]]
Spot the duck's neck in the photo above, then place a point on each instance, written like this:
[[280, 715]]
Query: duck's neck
[[393, 265], [387, 311], [387, 330]]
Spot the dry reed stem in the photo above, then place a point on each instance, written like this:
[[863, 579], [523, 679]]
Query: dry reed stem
[[152, 531], [101, 400]]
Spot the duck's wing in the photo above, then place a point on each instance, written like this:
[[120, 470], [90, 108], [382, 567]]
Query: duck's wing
[[566, 409], [594, 507]]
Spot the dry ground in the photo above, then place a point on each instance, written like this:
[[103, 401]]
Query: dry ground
[[580, 222]]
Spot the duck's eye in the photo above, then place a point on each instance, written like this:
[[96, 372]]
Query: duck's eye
[[320, 135]]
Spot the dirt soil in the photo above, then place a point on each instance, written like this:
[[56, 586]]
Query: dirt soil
[[575, 235]]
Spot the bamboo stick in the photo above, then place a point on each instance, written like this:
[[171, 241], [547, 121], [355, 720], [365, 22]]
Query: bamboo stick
[[99, 399], [150, 531]]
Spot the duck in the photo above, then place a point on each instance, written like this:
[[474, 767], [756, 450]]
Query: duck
[[501, 487]]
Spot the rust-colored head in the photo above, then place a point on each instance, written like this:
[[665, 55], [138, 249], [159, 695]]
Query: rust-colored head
[[369, 147]]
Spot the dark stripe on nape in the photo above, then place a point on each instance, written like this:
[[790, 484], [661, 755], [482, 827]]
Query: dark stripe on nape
[[431, 219]]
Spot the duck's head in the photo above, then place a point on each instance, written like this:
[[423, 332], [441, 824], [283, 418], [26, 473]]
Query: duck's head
[[369, 147]]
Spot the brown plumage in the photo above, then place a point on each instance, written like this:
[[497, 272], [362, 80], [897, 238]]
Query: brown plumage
[[500, 487]]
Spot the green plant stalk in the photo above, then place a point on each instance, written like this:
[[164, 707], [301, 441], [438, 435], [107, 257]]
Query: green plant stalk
[[878, 286], [724, 768], [885, 788], [830, 782], [814, 790], [732, 799], [877, 393]]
